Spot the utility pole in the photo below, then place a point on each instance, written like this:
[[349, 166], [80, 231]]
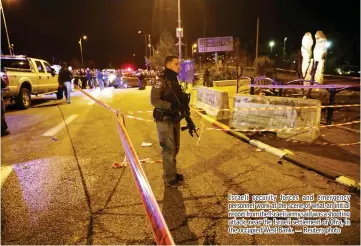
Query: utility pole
[[179, 31], [6, 28], [257, 35], [150, 46]]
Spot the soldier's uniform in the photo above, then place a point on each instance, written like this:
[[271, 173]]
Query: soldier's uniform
[[167, 117]]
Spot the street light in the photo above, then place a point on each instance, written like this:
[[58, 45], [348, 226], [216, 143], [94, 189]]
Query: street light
[[6, 29], [151, 50], [150, 45], [284, 48], [81, 49], [194, 49], [179, 31], [145, 42], [328, 44], [271, 44], [284, 44]]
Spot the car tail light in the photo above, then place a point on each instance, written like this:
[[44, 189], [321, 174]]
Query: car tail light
[[5, 78]]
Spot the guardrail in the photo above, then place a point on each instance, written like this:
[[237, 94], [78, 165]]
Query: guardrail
[[159, 227]]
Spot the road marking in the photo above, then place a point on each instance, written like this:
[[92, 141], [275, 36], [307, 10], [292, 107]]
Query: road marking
[[5, 172], [60, 126]]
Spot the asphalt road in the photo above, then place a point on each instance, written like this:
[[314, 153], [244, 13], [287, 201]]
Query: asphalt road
[[58, 185]]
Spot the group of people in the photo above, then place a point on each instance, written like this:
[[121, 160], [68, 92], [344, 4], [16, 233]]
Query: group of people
[[83, 78], [92, 77]]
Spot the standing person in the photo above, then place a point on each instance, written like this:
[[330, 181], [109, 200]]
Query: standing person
[[171, 105], [83, 79], [93, 75], [89, 78], [72, 81], [206, 77], [4, 125], [76, 77], [141, 81], [106, 78], [99, 76], [64, 79], [118, 78]]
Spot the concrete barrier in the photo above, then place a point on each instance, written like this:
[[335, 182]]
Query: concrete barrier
[[213, 102], [280, 118], [221, 83]]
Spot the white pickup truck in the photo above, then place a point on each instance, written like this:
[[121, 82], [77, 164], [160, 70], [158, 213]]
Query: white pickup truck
[[26, 76]]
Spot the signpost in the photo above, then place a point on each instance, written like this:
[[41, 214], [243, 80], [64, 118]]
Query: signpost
[[216, 44]]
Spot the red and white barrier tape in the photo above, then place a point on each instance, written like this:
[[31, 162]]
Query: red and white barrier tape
[[266, 129], [159, 226], [332, 86], [267, 108], [292, 128]]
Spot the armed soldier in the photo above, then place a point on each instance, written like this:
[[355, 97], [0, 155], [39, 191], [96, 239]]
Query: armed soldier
[[171, 106]]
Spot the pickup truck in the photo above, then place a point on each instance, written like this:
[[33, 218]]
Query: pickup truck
[[25, 77]]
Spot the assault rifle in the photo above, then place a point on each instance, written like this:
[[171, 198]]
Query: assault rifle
[[182, 108]]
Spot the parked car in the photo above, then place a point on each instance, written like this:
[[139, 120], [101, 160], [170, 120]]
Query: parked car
[[27, 76], [129, 81]]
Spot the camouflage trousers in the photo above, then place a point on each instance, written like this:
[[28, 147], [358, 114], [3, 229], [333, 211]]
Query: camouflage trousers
[[169, 139]]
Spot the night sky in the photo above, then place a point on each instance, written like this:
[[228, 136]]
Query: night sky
[[51, 29]]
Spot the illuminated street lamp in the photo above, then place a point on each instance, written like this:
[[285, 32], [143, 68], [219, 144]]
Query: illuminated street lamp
[[151, 50], [328, 44], [145, 42], [150, 45], [284, 48], [194, 49], [81, 49], [284, 43], [271, 44], [179, 31]]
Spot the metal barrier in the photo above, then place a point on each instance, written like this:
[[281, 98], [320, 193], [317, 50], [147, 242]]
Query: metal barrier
[[159, 227]]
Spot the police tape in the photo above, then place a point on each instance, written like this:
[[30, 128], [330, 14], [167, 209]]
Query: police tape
[[315, 143], [269, 130], [137, 118], [279, 107], [155, 217], [264, 129], [292, 86], [291, 128], [96, 100]]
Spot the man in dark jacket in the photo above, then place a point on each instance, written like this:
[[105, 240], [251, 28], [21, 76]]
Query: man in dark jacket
[[167, 114], [4, 126], [64, 79], [141, 83]]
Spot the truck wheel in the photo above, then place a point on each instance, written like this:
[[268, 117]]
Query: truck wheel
[[125, 85], [23, 100]]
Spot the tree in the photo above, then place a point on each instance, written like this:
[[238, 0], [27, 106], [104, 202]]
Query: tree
[[164, 48], [75, 63], [241, 56], [91, 64], [262, 63]]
